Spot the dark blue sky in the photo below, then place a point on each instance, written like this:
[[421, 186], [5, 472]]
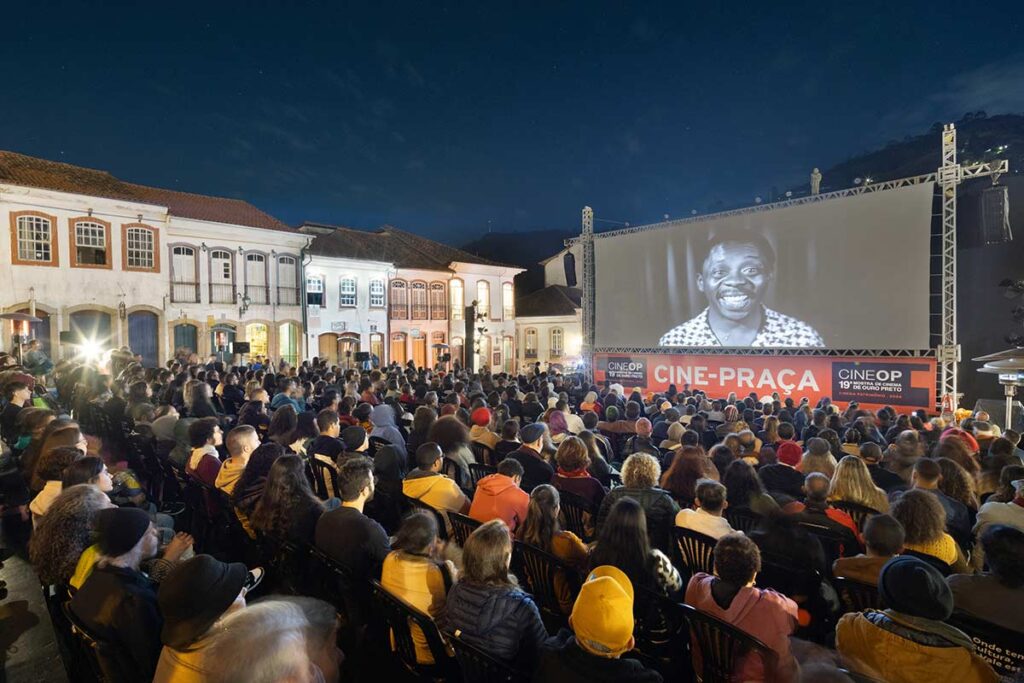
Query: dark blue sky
[[444, 118]]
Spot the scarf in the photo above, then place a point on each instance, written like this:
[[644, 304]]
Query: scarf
[[936, 628]]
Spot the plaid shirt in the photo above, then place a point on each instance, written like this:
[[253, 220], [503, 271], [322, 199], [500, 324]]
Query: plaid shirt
[[777, 331]]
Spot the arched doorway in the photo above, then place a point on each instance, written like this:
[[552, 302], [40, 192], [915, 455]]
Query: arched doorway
[[143, 336], [398, 352], [222, 336], [377, 348], [506, 353], [456, 351], [256, 335], [40, 330], [327, 347], [419, 350], [186, 338], [348, 347], [288, 342], [92, 326]]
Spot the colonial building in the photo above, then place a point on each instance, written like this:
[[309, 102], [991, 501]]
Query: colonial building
[[156, 269], [428, 286], [549, 322]]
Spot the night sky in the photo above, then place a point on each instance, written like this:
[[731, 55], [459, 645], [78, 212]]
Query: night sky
[[447, 119]]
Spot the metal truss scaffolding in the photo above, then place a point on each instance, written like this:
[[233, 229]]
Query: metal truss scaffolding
[[947, 177]]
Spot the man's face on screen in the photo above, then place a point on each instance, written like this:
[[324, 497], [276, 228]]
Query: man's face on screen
[[734, 279]]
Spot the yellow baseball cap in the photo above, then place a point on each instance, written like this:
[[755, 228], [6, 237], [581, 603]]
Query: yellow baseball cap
[[602, 617]]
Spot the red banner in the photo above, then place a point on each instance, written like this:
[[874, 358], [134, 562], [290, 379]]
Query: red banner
[[904, 383]]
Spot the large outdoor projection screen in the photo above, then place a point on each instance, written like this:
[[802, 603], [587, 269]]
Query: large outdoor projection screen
[[844, 273]]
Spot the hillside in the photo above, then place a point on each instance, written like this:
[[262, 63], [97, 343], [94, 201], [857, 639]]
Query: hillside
[[525, 249]]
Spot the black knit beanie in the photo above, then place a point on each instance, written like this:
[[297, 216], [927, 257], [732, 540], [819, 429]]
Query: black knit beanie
[[120, 529], [914, 587]]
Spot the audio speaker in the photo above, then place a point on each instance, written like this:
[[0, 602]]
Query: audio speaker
[[239, 347], [569, 263], [995, 215], [70, 337], [362, 356]]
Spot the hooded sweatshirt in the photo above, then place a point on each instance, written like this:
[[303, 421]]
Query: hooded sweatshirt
[[436, 490], [383, 419], [499, 497], [768, 616], [230, 471]]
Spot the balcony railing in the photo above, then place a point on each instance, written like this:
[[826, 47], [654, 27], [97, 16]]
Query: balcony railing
[[419, 312], [530, 353], [222, 294], [185, 292], [287, 296], [399, 311], [258, 294]]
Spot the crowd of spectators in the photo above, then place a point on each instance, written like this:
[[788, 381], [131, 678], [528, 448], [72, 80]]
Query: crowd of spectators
[[376, 470]]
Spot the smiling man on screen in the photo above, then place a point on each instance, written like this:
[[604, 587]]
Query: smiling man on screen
[[734, 277]]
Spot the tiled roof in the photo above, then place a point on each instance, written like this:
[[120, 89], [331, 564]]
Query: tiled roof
[[18, 169], [391, 245], [553, 300]]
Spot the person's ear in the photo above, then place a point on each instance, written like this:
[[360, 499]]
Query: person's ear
[[700, 282]]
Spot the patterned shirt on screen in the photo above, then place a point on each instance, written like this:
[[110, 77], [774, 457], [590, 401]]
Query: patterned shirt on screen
[[777, 331]]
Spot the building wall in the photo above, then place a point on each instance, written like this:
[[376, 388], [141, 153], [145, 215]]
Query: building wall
[[501, 322], [62, 289], [572, 336], [332, 326]]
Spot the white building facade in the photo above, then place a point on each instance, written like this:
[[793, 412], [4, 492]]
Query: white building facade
[[156, 270], [549, 327]]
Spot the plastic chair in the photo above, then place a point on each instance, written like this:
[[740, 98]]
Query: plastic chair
[[462, 527], [483, 455], [1001, 647], [696, 550], [478, 666], [325, 477], [723, 647], [451, 469], [442, 527], [478, 471], [542, 573], [577, 511], [859, 513], [834, 543], [397, 618], [103, 659], [742, 519], [661, 633], [857, 596]]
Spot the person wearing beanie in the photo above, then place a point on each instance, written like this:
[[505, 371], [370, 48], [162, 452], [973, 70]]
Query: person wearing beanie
[[356, 442], [118, 603], [783, 477], [480, 432], [909, 641], [536, 470], [602, 631], [641, 442], [193, 599]]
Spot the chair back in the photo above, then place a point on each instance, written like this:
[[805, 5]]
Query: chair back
[[723, 647], [742, 519], [104, 659], [325, 477], [462, 527], [483, 454], [1001, 647], [541, 571], [478, 666], [376, 443], [478, 470], [857, 596], [661, 634], [442, 527], [834, 544], [696, 550], [576, 511], [285, 561], [616, 479], [858, 512], [451, 469], [397, 618]]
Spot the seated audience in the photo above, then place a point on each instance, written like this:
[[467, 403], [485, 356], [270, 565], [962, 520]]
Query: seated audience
[[416, 572], [817, 458], [500, 496], [852, 483], [871, 454], [486, 608], [995, 596], [572, 475], [541, 530], [64, 533], [908, 642], [623, 542], [50, 470], [383, 419], [883, 538], [241, 442], [816, 510], [427, 485], [288, 509], [730, 595], [253, 481], [925, 476], [348, 536], [453, 438], [924, 523], [745, 490], [481, 432], [782, 479], [509, 440], [640, 474], [1010, 513], [602, 631], [536, 469], [88, 470], [204, 436], [689, 465], [707, 517], [903, 454]]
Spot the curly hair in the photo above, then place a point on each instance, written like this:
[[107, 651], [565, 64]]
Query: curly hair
[[953, 448], [957, 483], [641, 471], [286, 497], [449, 433], [922, 516], [64, 532]]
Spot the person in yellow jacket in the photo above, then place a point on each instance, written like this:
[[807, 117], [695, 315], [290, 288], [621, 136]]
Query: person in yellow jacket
[[428, 485], [909, 642]]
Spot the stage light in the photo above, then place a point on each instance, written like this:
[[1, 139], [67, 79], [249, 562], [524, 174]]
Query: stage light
[[91, 351]]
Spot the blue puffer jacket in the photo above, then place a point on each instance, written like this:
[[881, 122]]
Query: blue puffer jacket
[[503, 621]]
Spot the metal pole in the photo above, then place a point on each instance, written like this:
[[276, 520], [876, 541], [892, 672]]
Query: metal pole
[[949, 175], [587, 241]]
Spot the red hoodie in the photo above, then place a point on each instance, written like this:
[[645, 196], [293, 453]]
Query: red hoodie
[[499, 497]]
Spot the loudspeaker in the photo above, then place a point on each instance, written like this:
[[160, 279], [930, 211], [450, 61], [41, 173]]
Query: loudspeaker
[[70, 337], [995, 215], [362, 356], [569, 263], [239, 347]]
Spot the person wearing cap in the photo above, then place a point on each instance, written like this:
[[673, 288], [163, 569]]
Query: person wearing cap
[[909, 641], [193, 599], [903, 453], [641, 442], [783, 477], [536, 470], [602, 631], [480, 431], [426, 483], [117, 603], [730, 595], [871, 453]]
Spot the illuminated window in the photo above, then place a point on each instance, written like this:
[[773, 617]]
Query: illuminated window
[[483, 298], [557, 342], [458, 298], [347, 292], [35, 239], [418, 297], [438, 302], [315, 291], [376, 293], [530, 344], [508, 303]]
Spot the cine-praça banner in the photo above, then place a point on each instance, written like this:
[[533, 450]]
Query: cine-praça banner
[[907, 383]]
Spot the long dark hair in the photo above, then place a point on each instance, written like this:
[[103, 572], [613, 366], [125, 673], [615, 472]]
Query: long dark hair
[[282, 425], [742, 483], [286, 496], [254, 476], [541, 523], [687, 467], [622, 542]]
